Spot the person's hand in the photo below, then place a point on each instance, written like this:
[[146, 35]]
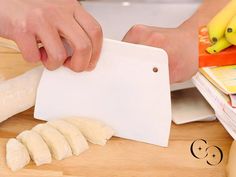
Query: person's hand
[[180, 43], [29, 22]]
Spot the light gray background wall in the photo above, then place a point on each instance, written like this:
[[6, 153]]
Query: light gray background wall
[[116, 19]]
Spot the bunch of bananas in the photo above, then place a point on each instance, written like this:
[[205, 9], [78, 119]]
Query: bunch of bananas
[[222, 29]]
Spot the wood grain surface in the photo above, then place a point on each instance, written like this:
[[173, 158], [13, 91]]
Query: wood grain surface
[[120, 157]]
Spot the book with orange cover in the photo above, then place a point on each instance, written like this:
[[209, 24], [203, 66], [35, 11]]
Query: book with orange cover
[[223, 58]]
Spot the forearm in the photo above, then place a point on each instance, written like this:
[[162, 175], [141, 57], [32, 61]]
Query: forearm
[[207, 10]]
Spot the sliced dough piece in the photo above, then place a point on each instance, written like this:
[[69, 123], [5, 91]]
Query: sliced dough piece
[[56, 142], [17, 155], [18, 94], [73, 136], [231, 170], [38, 149], [94, 131]]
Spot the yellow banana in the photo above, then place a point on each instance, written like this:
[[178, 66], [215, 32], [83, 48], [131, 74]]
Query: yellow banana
[[218, 24], [219, 46], [230, 32]]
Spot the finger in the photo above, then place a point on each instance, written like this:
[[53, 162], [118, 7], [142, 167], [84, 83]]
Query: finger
[[43, 54], [56, 53], [79, 41], [94, 32], [28, 47]]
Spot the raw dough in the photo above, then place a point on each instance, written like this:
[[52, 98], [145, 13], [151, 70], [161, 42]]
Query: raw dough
[[56, 142], [17, 155], [231, 170], [94, 131], [18, 94], [38, 149], [74, 137]]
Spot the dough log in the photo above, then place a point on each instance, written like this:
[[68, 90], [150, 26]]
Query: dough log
[[56, 142], [17, 155], [73, 136], [18, 94], [37, 148], [94, 131]]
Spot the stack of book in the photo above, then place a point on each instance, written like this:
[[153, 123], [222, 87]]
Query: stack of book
[[218, 86], [216, 81]]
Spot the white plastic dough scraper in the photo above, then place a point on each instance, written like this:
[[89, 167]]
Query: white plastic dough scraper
[[128, 90]]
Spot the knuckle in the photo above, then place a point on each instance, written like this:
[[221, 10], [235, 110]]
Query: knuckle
[[61, 55], [21, 27], [28, 58], [38, 13], [138, 28], [33, 58], [84, 47], [36, 19], [51, 11], [156, 35], [156, 38], [96, 31]]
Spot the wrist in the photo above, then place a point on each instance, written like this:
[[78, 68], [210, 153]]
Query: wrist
[[190, 26], [190, 29]]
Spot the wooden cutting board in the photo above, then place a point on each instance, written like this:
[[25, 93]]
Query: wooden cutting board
[[120, 157]]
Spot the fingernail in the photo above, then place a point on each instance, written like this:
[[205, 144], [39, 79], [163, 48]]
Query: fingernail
[[91, 67]]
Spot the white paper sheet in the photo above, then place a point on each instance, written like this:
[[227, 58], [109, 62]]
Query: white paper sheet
[[224, 112], [189, 105]]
